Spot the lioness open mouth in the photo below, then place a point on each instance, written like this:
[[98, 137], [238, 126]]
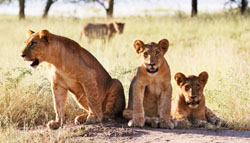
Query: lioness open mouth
[[193, 103], [35, 62], [152, 70]]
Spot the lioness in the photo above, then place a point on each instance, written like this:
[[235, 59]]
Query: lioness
[[74, 69], [150, 91], [101, 31], [189, 105]]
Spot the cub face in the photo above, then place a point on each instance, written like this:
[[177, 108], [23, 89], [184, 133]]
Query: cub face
[[192, 87], [36, 47], [152, 54], [119, 27]]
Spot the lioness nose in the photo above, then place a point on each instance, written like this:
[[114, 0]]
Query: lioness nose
[[193, 97], [151, 64], [23, 55]]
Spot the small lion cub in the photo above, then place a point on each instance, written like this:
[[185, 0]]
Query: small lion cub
[[150, 91], [189, 105]]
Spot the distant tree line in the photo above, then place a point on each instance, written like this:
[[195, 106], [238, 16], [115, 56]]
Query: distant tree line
[[108, 5], [242, 4]]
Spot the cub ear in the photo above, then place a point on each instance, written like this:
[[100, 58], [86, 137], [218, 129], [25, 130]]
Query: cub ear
[[163, 44], [44, 35], [203, 77], [180, 78], [139, 46], [30, 32]]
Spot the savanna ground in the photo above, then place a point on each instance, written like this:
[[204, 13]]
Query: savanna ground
[[218, 44]]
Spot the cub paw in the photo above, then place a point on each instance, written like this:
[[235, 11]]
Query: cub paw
[[80, 119], [166, 124], [152, 121], [137, 122], [53, 125], [183, 124], [219, 122], [92, 119], [210, 126]]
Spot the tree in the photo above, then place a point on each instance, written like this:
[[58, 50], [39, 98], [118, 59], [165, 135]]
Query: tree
[[109, 9], [194, 8], [243, 6], [21, 9], [47, 7]]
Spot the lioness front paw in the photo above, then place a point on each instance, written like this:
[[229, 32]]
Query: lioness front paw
[[166, 124], [152, 121], [92, 119], [80, 119], [137, 122], [53, 125]]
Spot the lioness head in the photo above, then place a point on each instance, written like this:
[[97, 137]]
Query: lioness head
[[152, 54], [119, 27], [36, 47], [192, 87]]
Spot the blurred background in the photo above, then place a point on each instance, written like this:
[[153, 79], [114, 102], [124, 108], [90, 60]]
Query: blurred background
[[116, 8]]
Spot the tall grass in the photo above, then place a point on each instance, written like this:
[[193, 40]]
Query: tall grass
[[218, 44]]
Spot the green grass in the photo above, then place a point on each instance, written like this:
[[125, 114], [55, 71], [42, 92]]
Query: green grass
[[218, 44]]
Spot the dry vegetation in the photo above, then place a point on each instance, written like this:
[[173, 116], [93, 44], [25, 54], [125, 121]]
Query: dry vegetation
[[218, 44]]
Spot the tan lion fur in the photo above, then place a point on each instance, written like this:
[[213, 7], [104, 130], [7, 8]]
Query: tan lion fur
[[188, 107], [150, 91], [74, 69], [101, 31]]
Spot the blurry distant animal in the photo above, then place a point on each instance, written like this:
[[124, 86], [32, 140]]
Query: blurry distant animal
[[101, 31]]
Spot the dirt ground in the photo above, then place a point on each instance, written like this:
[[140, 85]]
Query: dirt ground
[[115, 133]]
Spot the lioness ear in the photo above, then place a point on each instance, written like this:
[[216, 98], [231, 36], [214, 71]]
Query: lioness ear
[[44, 35], [180, 78], [163, 44], [203, 77], [30, 32], [139, 46]]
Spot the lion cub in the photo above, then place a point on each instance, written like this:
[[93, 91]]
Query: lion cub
[[150, 91], [101, 31], [189, 105], [74, 69]]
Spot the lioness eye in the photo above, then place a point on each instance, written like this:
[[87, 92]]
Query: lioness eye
[[187, 88], [145, 55], [157, 53]]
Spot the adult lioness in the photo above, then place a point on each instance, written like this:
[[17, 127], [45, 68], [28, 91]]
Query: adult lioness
[[150, 91], [101, 31], [189, 105], [74, 69]]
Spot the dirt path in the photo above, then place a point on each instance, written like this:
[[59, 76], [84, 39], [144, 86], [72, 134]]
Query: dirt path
[[117, 133], [121, 133]]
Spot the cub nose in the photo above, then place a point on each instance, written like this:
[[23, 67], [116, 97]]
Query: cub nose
[[23, 55], [193, 97], [151, 64]]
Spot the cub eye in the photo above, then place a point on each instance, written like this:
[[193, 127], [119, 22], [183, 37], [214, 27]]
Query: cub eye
[[198, 86], [157, 53], [187, 88], [145, 55]]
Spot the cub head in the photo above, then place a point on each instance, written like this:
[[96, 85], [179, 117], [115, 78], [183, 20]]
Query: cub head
[[152, 54], [36, 47], [192, 87], [119, 26]]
